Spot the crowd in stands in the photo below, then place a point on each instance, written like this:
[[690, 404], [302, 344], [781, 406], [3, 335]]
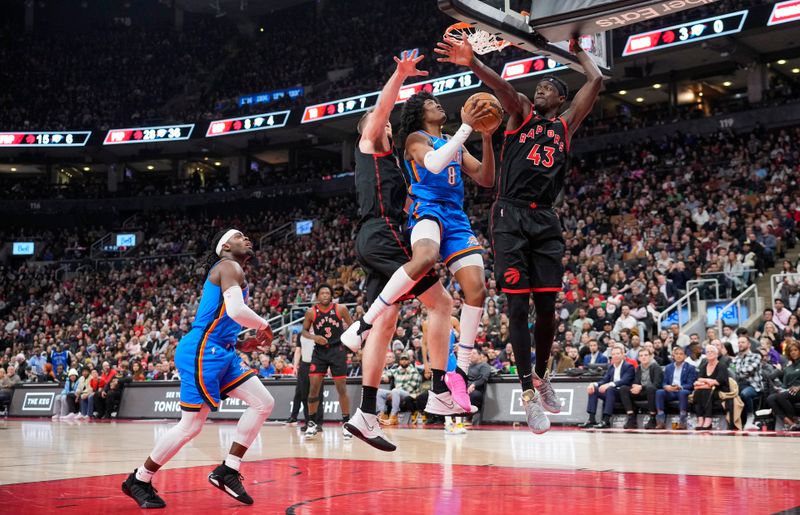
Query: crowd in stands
[[159, 75], [640, 221]]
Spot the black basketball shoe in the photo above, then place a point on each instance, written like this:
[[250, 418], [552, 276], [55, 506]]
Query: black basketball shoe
[[143, 493], [230, 482]]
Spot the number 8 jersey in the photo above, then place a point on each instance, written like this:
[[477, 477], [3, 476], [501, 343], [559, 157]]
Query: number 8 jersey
[[534, 161], [445, 187]]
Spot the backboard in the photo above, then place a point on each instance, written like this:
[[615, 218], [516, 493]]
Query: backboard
[[550, 24]]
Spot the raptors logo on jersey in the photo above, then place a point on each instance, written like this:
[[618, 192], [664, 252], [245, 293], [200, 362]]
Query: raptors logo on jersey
[[328, 324], [534, 161]]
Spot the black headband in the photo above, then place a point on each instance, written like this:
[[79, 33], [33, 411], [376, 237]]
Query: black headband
[[559, 85]]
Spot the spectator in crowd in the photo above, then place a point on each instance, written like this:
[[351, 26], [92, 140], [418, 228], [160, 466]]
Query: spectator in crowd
[[679, 339], [560, 362], [648, 378], [64, 402], [267, 369], [679, 378], [87, 394], [594, 356], [712, 380], [407, 381], [619, 373], [695, 354], [782, 401], [781, 315], [478, 376], [748, 372], [6, 389], [82, 391], [109, 399]]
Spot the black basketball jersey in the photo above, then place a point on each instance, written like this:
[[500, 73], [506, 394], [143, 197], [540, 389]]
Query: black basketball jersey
[[380, 186], [328, 323], [534, 161]]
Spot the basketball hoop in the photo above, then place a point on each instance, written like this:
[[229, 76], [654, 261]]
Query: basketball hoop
[[482, 42]]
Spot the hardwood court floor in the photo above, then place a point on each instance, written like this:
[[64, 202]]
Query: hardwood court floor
[[59, 467]]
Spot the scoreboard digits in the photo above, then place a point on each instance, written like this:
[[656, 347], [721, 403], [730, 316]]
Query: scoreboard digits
[[148, 134], [707, 28], [256, 122], [439, 86], [45, 139]]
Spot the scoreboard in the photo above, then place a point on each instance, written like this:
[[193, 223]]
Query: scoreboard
[[439, 86], [256, 122], [159, 134], [529, 67], [44, 139], [689, 32]]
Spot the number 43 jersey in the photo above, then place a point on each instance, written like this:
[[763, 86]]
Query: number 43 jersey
[[534, 161]]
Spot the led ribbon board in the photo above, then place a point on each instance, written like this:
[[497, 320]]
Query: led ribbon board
[[441, 86], [148, 134], [256, 122], [689, 32], [529, 67], [45, 139], [784, 12]]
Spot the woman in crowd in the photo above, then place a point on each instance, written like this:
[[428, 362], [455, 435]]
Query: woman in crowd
[[712, 379]]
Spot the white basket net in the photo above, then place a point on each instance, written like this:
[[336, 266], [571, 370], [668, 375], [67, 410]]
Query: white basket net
[[482, 42]]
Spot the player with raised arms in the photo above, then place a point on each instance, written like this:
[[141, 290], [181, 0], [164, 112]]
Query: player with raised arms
[[381, 250], [211, 370], [439, 225], [526, 230]]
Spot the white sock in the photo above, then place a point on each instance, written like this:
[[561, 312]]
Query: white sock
[[142, 474], [233, 461], [398, 285], [470, 320]]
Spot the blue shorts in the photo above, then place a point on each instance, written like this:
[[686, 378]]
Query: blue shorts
[[452, 360], [208, 370], [457, 238]]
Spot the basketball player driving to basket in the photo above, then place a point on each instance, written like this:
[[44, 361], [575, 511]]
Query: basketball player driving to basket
[[526, 230], [381, 190]]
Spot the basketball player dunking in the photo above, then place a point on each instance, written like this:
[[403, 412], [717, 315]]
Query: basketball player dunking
[[329, 321], [381, 250], [526, 230], [211, 370]]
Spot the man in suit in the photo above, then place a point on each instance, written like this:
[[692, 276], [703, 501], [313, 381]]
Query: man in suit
[[594, 356], [667, 287], [619, 373], [648, 379], [679, 378]]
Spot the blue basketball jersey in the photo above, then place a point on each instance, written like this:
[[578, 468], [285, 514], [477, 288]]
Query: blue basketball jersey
[[446, 186], [211, 316]]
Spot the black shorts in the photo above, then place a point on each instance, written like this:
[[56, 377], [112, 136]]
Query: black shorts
[[528, 248], [333, 356], [381, 250]]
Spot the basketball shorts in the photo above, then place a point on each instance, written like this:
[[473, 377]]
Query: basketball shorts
[[209, 370], [457, 238], [381, 249], [528, 248], [329, 356]]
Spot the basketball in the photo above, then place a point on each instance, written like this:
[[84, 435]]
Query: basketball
[[492, 120]]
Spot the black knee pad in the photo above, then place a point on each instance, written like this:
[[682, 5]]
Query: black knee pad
[[314, 399], [518, 306]]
